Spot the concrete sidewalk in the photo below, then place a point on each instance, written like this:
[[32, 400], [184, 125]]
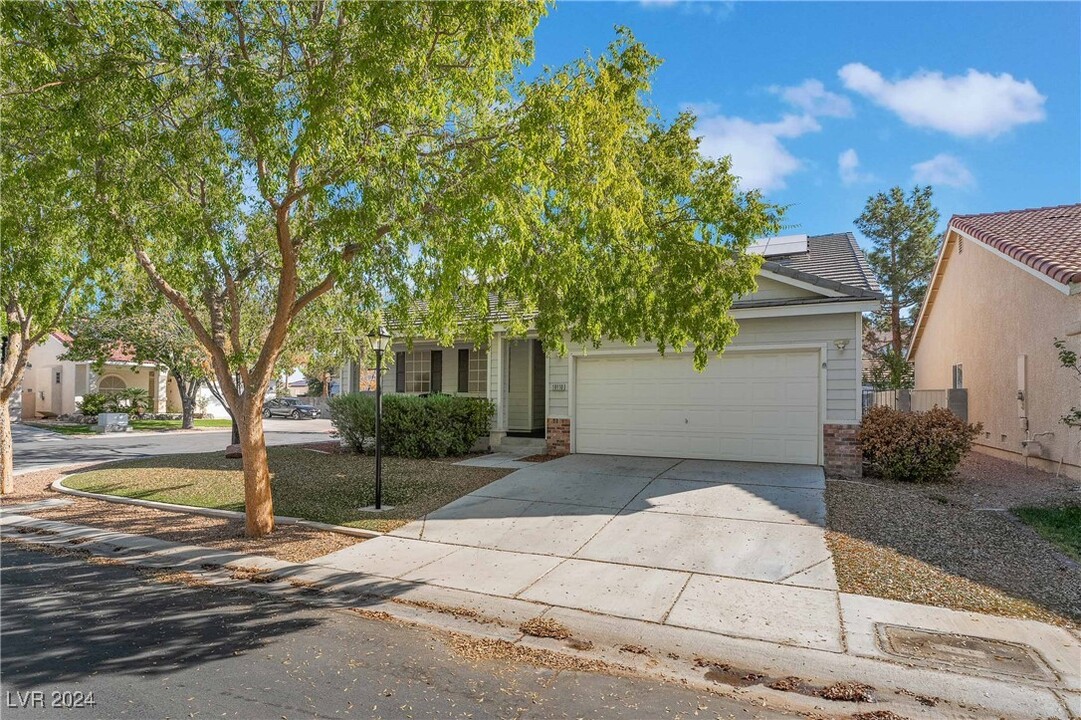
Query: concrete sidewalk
[[735, 550], [1037, 676]]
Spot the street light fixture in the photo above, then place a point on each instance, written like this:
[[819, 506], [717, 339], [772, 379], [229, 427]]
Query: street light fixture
[[380, 341]]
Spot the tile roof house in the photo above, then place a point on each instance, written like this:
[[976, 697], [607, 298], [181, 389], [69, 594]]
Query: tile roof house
[[1005, 286], [788, 389], [53, 386]]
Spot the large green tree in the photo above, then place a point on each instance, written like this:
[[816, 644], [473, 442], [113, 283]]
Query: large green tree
[[47, 259], [905, 247], [353, 160]]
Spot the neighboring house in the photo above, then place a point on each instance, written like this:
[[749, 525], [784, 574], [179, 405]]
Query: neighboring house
[[1005, 286], [788, 389], [298, 388], [52, 386]]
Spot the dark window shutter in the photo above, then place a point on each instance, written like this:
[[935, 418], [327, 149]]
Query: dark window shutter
[[437, 371], [399, 372], [463, 370]]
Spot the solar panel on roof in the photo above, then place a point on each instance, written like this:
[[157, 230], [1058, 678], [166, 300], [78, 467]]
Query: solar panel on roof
[[775, 246]]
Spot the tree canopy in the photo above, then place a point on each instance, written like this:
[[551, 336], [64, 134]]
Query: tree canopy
[[902, 229], [358, 161]]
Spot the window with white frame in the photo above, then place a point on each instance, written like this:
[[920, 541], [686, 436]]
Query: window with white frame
[[111, 384], [418, 371], [478, 371]]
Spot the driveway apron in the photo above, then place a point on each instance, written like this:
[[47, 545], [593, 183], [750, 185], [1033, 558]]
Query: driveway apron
[[728, 547]]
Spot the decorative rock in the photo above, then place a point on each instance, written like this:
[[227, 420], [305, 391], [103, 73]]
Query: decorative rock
[[233, 451]]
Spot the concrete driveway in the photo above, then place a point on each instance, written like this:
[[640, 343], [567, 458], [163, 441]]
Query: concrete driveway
[[729, 547]]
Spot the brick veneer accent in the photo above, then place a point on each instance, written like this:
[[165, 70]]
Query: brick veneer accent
[[843, 456], [558, 435]]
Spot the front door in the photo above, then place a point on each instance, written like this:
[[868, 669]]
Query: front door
[[525, 386]]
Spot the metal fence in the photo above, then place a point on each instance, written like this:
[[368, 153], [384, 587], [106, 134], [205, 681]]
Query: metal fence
[[954, 400]]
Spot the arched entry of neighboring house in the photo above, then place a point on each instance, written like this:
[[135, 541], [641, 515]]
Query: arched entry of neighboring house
[[111, 384]]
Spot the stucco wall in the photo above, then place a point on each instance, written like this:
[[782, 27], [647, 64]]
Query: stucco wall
[[987, 313]]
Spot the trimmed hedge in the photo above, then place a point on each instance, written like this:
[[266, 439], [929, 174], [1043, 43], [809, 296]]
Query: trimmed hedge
[[915, 446], [413, 426]]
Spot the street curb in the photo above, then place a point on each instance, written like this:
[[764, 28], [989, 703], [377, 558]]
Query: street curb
[[58, 486], [678, 654]]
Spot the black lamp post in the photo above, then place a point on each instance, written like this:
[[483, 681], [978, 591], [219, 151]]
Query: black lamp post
[[380, 341]]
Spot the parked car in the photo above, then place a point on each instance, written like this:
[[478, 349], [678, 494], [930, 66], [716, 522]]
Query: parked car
[[289, 407]]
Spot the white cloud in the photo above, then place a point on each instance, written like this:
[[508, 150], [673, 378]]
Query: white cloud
[[943, 169], [971, 105], [848, 167], [719, 10], [812, 97], [758, 156]]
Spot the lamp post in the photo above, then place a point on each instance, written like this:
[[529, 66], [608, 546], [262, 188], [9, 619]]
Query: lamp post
[[380, 341]]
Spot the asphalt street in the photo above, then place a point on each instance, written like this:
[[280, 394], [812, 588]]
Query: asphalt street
[[37, 449], [147, 649]]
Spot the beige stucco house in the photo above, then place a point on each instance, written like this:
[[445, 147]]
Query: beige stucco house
[[1005, 287], [52, 386], [788, 389]]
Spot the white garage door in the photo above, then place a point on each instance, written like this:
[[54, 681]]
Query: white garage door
[[759, 406]]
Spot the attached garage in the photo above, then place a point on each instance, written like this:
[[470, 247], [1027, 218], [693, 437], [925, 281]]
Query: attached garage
[[764, 406]]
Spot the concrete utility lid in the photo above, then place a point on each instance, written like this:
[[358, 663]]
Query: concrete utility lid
[[983, 655]]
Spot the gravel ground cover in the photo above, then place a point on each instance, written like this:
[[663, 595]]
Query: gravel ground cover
[[956, 544], [288, 542], [329, 488]]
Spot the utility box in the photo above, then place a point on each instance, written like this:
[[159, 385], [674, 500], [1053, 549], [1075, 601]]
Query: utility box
[[113, 422]]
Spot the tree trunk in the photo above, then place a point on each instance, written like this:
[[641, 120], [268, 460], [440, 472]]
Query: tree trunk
[[258, 504], [188, 392], [187, 409], [7, 472], [895, 326]]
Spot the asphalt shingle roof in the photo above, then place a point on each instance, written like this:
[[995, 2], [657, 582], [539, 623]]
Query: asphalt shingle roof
[[1046, 239], [833, 261]]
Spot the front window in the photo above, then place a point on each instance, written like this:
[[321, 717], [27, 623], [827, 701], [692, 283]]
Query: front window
[[111, 385], [478, 371], [418, 371]]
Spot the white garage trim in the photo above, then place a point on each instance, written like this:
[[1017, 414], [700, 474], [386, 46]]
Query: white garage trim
[[820, 348]]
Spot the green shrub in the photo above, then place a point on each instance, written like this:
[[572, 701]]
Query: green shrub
[[413, 426], [93, 403], [353, 415], [915, 447], [134, 401]]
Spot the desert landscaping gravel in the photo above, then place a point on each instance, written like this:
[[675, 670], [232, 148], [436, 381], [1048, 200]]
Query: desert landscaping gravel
[[955, 544]]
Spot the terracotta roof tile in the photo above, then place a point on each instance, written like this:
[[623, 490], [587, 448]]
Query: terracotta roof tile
[[118, 355], [1046, 239]]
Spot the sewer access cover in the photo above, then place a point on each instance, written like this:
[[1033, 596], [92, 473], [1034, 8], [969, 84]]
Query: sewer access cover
[[974, 653]]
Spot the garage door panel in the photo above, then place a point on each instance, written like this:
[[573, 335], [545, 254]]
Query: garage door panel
[[746, 406]]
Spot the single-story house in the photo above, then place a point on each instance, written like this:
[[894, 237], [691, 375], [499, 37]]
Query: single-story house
[[52, 386], [298, 388], [788, 389], [1006, 285]]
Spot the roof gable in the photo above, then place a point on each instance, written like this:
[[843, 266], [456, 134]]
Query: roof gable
[[1045, 239]]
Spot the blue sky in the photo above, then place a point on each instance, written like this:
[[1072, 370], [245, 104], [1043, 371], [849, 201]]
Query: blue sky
[[822, 105]]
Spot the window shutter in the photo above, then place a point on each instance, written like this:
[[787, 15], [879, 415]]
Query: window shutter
[[463, 371], [437, 371], [399, 372]]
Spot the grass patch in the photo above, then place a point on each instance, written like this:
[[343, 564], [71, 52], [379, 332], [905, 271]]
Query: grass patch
[[1059, 525], [306, 484], [175, 424], [63, 428], [84, 429]]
